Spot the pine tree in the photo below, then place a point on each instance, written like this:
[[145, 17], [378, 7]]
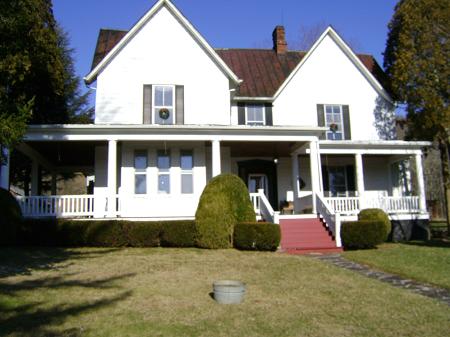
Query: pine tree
[[416, 61]]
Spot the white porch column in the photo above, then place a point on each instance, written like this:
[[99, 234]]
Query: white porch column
[[360, 178], [112, 177], [420, 183], [34, 177], [216, 164], [315, 176], [295, 175], [4, 169]]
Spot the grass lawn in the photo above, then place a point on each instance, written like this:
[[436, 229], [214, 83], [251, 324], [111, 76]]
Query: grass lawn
[[165, 292], [423, 261]]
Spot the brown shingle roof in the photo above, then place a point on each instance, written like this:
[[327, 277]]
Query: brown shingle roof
[[107, 39], [262, 70]]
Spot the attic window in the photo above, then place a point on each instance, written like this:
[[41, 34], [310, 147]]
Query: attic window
[[334, 121], [163, 109], [255, 114]]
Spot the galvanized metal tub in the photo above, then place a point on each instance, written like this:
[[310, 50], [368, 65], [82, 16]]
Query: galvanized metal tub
[[229, 292]]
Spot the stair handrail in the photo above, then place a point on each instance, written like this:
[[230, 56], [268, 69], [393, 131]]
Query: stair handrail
[[332, 219], [266, 208]]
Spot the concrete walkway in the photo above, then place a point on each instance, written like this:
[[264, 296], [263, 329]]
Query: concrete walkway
[[395, 280]]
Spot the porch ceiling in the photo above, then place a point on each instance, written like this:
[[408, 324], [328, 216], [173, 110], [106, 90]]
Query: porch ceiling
[[67, 154], [259, 149]]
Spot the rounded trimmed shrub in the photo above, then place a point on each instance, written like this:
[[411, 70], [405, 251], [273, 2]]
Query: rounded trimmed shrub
[[376, 214], [257, 236], [224, 202], [363, 234], [178, 233], [10, 218]]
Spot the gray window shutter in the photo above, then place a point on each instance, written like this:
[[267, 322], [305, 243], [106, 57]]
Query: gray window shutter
[[147, 108], [268, 109], [321, 119], [179, 104], [346, 116], [241, 113]]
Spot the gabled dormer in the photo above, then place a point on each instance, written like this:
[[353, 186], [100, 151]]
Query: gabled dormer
[[162, 71]]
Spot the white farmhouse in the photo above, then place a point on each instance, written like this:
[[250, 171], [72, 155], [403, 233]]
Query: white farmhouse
[[312, 134]]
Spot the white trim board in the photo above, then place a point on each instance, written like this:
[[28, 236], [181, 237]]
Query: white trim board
[[349, 53], [91, 77]]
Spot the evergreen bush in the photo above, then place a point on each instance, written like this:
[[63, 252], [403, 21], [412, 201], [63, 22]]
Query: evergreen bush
[[363, 234], [178, 233], [10, 218], [257, 236], [376, 214], [224, 202]]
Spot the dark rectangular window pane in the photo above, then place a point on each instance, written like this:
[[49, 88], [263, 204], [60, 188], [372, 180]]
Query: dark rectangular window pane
[[163, 162], [140, 160], [186, 160], [140, 184]]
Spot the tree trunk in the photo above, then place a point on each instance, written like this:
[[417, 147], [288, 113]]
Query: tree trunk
[[444, 148]]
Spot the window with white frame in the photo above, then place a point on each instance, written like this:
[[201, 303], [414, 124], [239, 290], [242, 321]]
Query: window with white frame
[[163, 165], [187, 165], [255, 114], [334, 122], [164, 104], [140, 171]]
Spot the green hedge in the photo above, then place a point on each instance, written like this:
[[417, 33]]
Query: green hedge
[[363, 234], [257, 236], [107, 233], [10, 218], [178, 234], [224, 203], [376, 214], [143, 234]]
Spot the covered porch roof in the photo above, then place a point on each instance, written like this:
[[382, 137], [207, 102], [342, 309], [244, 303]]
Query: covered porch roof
[[96, 132], [382, 147]]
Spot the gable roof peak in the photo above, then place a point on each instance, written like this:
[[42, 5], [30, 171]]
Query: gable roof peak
[[92, 76]]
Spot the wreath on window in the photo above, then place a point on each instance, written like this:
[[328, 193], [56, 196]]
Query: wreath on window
[[164, 113], [333, 127]]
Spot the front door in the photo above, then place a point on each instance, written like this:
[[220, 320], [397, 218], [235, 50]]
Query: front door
[[258, 181], [257, 173]]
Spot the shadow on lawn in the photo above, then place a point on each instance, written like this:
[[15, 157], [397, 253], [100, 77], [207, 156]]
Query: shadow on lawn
[[22, 261], [33, 320], [40, 318], [430, 243]]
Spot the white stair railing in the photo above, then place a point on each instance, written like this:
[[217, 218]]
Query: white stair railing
[[266, 208], [332, 219], [255, 199]]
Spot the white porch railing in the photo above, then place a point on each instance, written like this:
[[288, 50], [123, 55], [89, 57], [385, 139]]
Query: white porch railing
[[352, 205], [57, 205], [343, 205], [263, 207], [331, 218]]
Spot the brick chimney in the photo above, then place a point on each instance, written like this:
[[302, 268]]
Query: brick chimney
[[279, 40]]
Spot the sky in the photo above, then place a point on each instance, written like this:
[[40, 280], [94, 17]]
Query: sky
[[231, 23]]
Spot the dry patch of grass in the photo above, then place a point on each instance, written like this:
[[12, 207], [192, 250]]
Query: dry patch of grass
[[165, 292], [427, 262]]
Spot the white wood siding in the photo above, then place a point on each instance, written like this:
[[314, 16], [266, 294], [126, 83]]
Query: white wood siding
[[162, 52], [330, 77]]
